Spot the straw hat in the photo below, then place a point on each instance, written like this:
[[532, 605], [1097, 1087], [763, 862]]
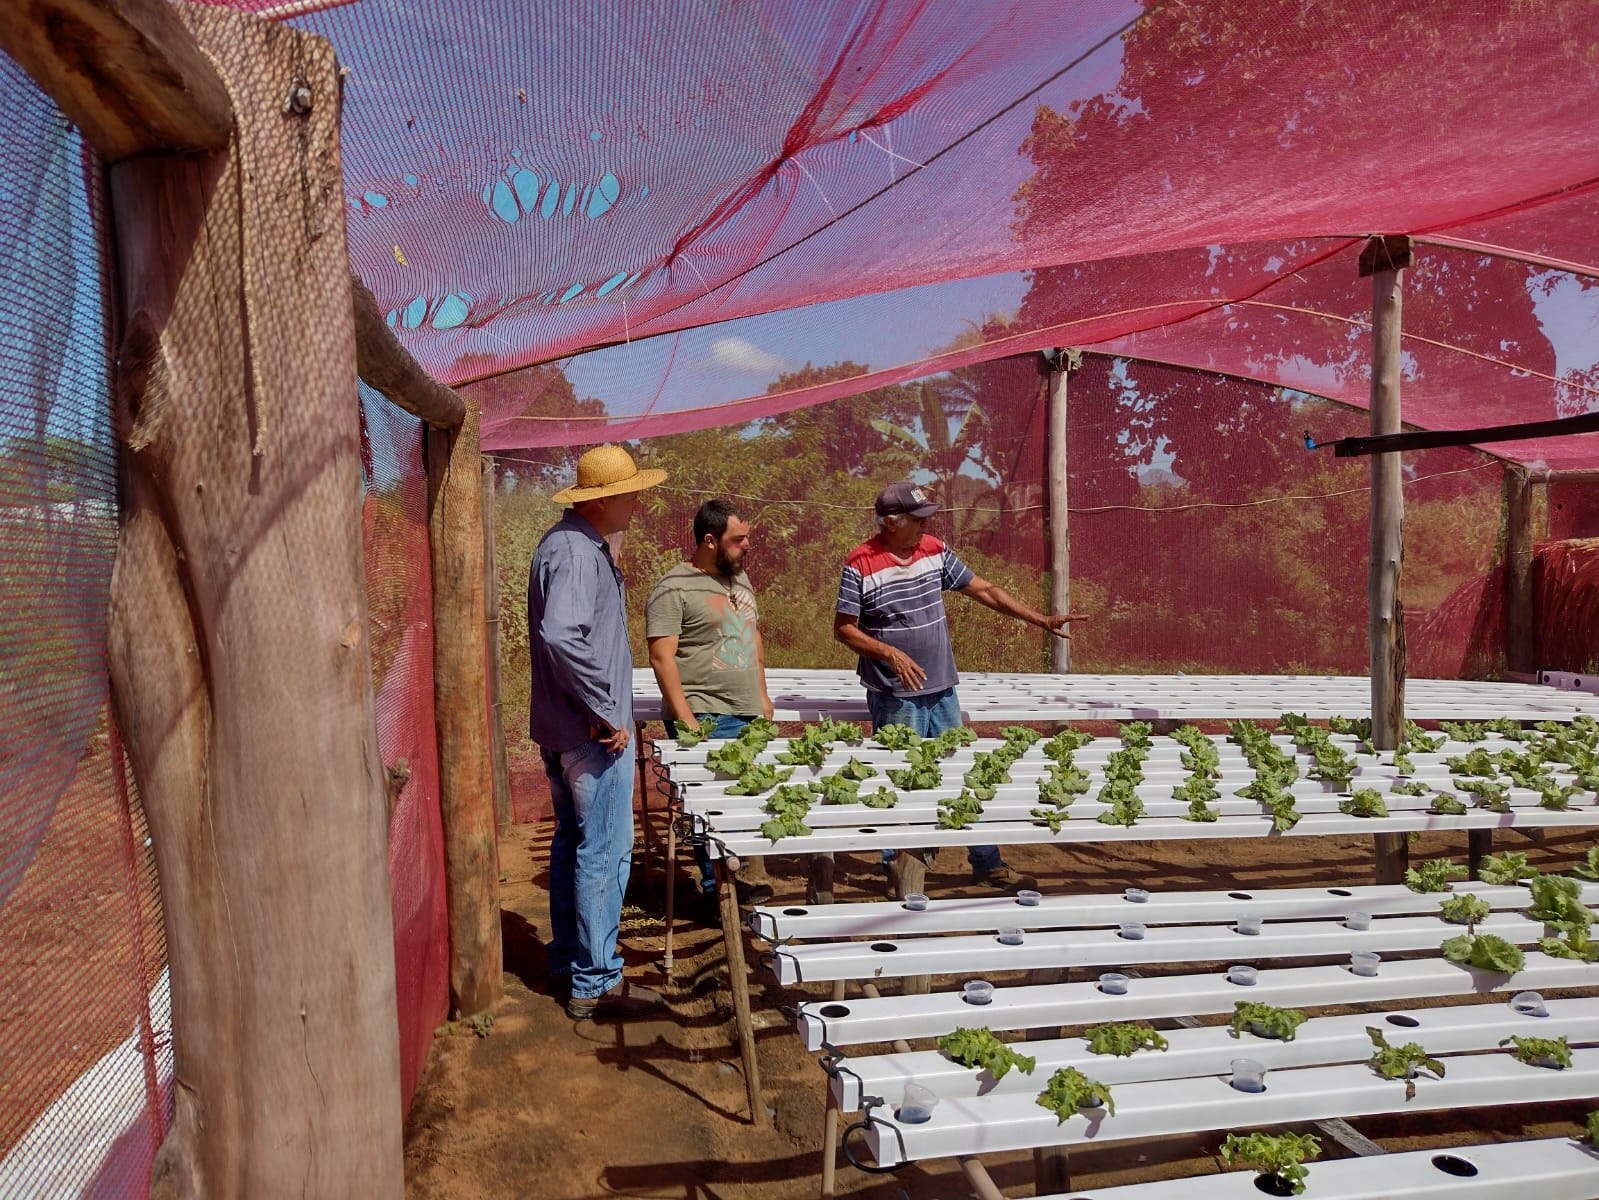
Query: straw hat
[[607, 471]]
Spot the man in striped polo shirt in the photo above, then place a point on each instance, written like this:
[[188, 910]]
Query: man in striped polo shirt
[[890, 611]]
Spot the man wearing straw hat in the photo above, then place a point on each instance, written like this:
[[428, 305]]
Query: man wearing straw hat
[[581, 715]]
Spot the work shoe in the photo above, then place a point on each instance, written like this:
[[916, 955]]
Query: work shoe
[[623, 1002], [752, 893], [1005, 878]]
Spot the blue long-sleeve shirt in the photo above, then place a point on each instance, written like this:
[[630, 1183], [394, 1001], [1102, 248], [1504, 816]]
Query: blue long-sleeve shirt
[[577, 630]]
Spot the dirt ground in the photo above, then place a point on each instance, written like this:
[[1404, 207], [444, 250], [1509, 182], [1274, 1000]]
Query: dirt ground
[[549, 1108]]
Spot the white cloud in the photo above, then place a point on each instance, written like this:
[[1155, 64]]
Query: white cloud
[[744, 355]]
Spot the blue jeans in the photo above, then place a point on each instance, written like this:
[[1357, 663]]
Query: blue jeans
[[727, 726], [929, 716], [590, 854]]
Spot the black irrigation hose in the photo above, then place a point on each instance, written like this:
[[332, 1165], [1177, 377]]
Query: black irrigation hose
[[865, 1123]]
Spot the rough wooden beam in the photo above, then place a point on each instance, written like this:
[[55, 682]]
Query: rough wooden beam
[[240, 668], [1521, 651], [1060, 538], [460, 706], [1386, 614], [125, 72], [491, 629], [388, 367]]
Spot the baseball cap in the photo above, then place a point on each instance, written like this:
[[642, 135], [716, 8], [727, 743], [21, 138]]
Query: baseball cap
[[906, 498]]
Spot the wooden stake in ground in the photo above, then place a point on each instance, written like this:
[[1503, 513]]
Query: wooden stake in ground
[[491, 631], [1060, 538], [738, 981], [1384, 259], [237, 631], [460, 699]]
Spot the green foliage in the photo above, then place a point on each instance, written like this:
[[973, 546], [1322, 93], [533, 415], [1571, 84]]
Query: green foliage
[[837, 789], [1486, 951], [1020, 735], [1433, 876], [1557, 901], [1061, 786], [857, 770], [896, 737], [1359, 726], [1284, 816], [952, 740], [693, 737], [1575, 942], [1478, 763], [987, 771], [479, 1026], [761, 777], [1401, 1062], [787, 799], [1510, 867], [881, 798], [758, 732], [1198, 810], [1589, 867], [1557, 1051], [960, 812], [832, 730], [1332, 765], [1464, 909], [1282, 1155], [1125, 767], [1366, 802], [1411, 787], [1493, 796], [1593, 1128], [781, 827], [1446, 804], [923, 774], [1135, 735], [1053, 817], [1465, 731], [1069, 1090], [1266, 1020], [1123, 1038], [1197, 788], [1402, 762], [1063, 745], [1421, 741], [980, 1050], [811, 747], [1125, 806], [733, 759]]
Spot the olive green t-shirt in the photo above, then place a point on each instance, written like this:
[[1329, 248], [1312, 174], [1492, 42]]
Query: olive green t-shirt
[[713, 619]]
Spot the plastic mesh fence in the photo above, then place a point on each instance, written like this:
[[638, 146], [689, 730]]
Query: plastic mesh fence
[[84, 1031], [399, 599]]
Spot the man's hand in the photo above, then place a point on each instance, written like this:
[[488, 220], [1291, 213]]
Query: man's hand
[[767, 709], [1058, 625], [910, 674], [614, 740]]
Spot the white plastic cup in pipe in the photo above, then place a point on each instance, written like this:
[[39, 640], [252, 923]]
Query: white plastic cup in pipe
[[1247, 923], [1135, 895], [1028, 898], [917, 1104], [1249, 1075], [1113, 983], [1009, 935], [1364, 962], [915, 901], [977, 991], [1358, 920], [1529, 1004], [1242, 975], [1133, 931]]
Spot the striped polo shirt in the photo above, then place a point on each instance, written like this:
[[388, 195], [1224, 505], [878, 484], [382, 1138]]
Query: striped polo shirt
[[902, 604]]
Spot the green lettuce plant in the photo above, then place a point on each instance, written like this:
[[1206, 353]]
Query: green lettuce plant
[[1282, 1156], [980, 1050], [1433, 876], [1124, 1038], [1486, 951], [1401, 1062], [1266, 1020], [1069, 1090]]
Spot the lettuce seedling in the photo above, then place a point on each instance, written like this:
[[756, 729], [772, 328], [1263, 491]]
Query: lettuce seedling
[[1123, 1038], [980, 1050], [881, 798], [687, 736], [732, 759], [809, 749], [1198, 810], [1061, 786], [1284, 816], [1135, 735], [1411, 787], [1266, 1020], [1366, 802], [1464, 909], [960, 812], [1359, 726], [1401, 1062], [1125, 806], [1485, 950], [987, 771], [761, 777], [1477, 763], [1446, 804], [1492, 796], [1402, 762], [830, 730], [1053, 817], [1540, 1052], [1064, 744], [836, 789], [896, 737], [1433, 876], [1422, 741], [1021, 734], [1593, 1128], [1332, 765], [1465, 731], [857, 770], [781, 827], [1281, 1157], [1069, 1090], [1198, 787], [1575, 943], [1510, 867], [923, 773], [1589, 868], [1557, 901]]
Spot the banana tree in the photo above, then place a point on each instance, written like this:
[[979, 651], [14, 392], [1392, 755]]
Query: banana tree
[[942, 451]]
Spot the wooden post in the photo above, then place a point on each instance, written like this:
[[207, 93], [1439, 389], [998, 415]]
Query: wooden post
[[1384, 259], [1052, 1172], [819, 880], [1521, 651], [389, 368], [491, 634], [460, 701], [1060, 541], [739, 982], [241, 671]]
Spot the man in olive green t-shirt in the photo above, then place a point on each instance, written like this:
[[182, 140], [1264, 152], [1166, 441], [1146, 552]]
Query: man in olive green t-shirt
[[705, 643]]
